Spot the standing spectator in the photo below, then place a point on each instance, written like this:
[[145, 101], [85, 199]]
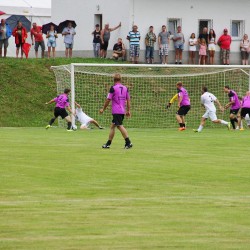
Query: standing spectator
[[119, 50], [5, 34], [134, 37], [202, 51], [36, 32], [96, 40], [245, 49], [51, 35], [20, 35], [69, 34], [225, 42], [150, 40], [178, 45], [119, 96], [204, 35], [163, 42], [192, 48], [105, 36], [211, 45]]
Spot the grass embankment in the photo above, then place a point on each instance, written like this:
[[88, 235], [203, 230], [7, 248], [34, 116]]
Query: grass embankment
[[25, 86]]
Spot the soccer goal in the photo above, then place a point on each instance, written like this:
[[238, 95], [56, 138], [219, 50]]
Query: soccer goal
[[151, 87]]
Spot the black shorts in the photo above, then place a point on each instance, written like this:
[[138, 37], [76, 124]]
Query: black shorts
[[234, 111], [117, 119], [244, 111], [183, 110], [104, 45], [60, 112], [19, 45]]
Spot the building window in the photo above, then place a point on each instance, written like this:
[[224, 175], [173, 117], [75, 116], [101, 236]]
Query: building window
[[237, 29], [173, 23], [205, 23]]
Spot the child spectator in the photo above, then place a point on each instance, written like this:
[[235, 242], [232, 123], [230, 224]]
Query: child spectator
[[192, 48], [202, 51]]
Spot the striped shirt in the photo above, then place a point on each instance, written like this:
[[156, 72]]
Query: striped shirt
[[134, 37]]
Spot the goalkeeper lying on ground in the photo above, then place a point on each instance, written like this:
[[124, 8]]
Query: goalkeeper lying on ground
[[84, 119]]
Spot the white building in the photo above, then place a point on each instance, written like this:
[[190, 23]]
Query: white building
[[192, 15], [35, 11]]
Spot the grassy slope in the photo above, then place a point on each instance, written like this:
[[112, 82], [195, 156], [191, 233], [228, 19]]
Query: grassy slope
[[25, 86], [172, 190]]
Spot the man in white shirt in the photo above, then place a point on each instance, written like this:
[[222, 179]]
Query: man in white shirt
[[208, 100], [69, 33], [84, 119]]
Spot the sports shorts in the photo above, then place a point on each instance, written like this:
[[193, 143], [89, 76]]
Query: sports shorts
[[234, 111], [118, 119], [210, 114], [183, 110], [60, 112]]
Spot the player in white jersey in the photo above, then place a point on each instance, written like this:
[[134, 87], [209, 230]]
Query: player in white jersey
[[84, 119], [208, 100]]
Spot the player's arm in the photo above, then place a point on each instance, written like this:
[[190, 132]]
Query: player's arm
[[173, 99], [218, 103], [106, 103], [78, 105], [128, 113], [51, 101], [230, 103]]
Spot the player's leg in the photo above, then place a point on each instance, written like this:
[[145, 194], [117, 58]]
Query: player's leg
[[69, 122], [111, 136], [202, 124], [233, 117], [56, 114], [124, 133], [96, 124]]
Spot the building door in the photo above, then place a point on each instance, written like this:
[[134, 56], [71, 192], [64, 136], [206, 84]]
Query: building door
[[98, 20], [203, 24]]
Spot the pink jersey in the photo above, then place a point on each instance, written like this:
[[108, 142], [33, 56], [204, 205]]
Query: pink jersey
[[246, 101], [233, 97], [62, 101], [185, 98], [119, 95]]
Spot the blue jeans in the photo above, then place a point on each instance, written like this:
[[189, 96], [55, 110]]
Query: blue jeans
[[96, 49], [149, 52]]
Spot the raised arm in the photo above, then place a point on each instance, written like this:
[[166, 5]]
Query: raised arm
[[115, 28], [51, 101]]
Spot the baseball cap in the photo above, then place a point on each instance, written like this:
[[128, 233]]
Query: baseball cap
[[225, 30]]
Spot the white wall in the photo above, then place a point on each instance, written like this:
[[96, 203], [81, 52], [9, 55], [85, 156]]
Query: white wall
[[83, 11], [147, 12]]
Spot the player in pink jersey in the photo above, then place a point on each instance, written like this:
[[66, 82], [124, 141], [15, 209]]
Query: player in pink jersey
[[62, 103], [245, 110], [119, 96], [234, 104], [183, 105]]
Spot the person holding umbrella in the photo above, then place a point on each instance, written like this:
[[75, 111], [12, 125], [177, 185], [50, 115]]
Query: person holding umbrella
[[20, 34], [5, 34], [68, 33], [51, 35], [36, 32]]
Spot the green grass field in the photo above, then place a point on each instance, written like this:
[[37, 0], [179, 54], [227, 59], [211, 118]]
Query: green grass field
[[180, 190]]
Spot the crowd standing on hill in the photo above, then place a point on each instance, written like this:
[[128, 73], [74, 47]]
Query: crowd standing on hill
[[205, 45]]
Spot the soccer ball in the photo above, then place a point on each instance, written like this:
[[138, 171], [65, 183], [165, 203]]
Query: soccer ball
[[74, 127]]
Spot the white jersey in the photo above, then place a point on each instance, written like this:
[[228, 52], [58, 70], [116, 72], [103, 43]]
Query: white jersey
[[207, 99], [82, 117]]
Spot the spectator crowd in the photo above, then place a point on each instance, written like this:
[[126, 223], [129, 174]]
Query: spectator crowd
[[205, 45]]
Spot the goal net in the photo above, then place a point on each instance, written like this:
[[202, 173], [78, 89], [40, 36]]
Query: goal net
[[151, 87]]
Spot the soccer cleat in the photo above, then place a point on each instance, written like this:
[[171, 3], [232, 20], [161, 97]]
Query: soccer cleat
[[70, 130], [195, 130], [229, 126], [105, 146], [48, 126], [241, 129], [101, 127], [128, 146], [182, 129]]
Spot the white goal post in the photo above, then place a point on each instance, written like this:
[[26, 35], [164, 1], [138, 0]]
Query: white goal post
[[151, 87]]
